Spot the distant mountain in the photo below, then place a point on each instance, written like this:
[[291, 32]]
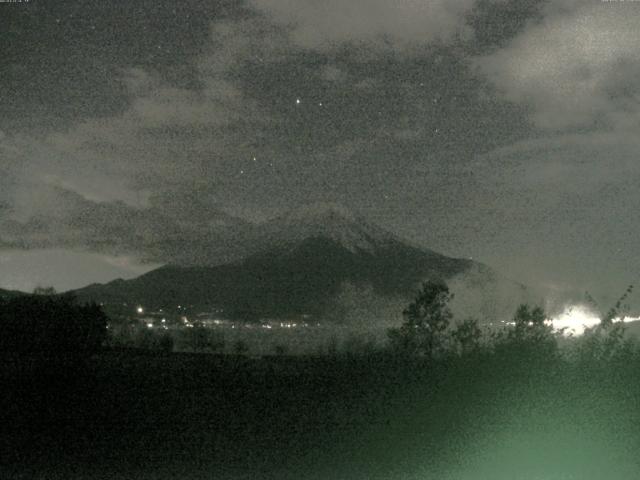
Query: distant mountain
[[324, 220], [301, 262], [6, 294]]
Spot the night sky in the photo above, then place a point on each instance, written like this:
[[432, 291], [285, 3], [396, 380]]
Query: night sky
[[502, 130]]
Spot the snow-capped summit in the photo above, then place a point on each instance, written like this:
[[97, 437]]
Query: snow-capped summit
[[326, 220], [319, 210]]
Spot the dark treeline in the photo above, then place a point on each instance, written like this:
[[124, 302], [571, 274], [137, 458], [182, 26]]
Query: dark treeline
[[47, 332], [443, 399]]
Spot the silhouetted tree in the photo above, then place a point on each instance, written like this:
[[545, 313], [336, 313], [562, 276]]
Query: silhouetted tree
[[42, 331], [145, 338], [530, 337], [619, 309], [467, 336], [201, 338], [602, 344], [425, 321], [529, 324], [44, 291], [607, 341]]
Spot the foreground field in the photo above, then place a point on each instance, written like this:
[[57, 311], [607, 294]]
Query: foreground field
[[154, 416]]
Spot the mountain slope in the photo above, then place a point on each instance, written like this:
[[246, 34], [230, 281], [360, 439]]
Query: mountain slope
[[302, 261], [6, 294], [324, 220]]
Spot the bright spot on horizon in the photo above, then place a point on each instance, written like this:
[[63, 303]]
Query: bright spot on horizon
[[577, 318]]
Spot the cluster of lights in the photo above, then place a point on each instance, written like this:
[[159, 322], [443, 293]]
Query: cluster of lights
[[577, 318], [574, 320]]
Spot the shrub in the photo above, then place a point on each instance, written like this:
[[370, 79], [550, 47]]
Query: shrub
[[240, 347], [466, 337], [200, 339], [426, 320], [166, 342], [50, 331]]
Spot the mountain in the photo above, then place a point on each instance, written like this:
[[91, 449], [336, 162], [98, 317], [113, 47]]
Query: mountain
[[325, 220], [7, 294], [301, 263]]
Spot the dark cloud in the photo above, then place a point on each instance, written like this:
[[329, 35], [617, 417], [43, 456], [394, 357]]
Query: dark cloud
[[63, 61], [398, 25], [187, 230], [497, 129], [495, 23], [574, 68]]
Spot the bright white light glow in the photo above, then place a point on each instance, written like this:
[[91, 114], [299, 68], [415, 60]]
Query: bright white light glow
[[577, 318]]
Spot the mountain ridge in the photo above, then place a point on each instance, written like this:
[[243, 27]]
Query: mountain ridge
[[300, 264], [8, 294]]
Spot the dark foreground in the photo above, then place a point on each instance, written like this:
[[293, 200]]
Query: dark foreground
[[161, 416]]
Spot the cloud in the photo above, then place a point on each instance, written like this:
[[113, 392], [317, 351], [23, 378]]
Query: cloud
[[566, 194], [160, 233], [112, 183], [577, 67], [66, 269], [401, 23], [141, 182], [559, 210], [331, 73], [391, 134]]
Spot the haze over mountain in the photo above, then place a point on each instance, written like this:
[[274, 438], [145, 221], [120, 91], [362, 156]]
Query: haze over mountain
[[303, 262]]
